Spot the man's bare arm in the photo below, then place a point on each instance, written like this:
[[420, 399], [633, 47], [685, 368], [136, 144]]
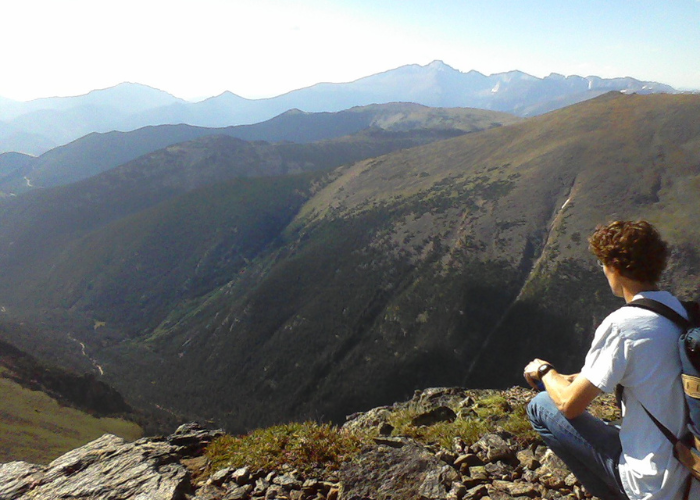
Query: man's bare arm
[[571, 393]]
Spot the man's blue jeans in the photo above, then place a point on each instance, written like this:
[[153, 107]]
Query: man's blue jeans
[[587, 445]]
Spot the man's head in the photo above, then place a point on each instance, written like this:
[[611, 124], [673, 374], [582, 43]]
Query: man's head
[[634, 249]]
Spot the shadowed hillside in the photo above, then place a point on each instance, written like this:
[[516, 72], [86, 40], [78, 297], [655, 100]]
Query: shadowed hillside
[[450, 263]]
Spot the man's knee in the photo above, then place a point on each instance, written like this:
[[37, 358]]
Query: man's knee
[[539, 407]]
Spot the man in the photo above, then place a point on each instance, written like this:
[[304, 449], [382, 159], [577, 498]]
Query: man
[[637, 349]]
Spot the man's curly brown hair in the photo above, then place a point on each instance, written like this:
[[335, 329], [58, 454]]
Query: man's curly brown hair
[[635, 249]]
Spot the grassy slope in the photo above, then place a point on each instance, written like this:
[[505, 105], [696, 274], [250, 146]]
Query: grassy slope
[[35, 428]]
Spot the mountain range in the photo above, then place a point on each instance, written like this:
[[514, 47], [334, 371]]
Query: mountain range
[[36, 126], [398, 124], [207, 289]]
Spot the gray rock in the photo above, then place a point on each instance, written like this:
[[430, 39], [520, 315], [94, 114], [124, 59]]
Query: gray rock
[[432, 488], [528, 459], [239, 492], [493, 447], [550, 461], [478, 472], [439, 414], [457, 491], [209, 492], [500, 470], [553, 473], [396, 473], [446, 456], [368, 420], [287, 481], [275, 491], [469, 459], [241, 476], [108, 469], [500, 495], [438, 396], [221, 476], [392, 442], [311, 486], [458, 445], [517, 489], [18, 477], [261, 485], [190, 439], [478, 491]]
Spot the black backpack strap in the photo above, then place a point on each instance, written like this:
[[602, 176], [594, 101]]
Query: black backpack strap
[[664, 430], [662, 310]]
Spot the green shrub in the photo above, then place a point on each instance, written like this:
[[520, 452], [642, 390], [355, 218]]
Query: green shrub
[[303, 446]]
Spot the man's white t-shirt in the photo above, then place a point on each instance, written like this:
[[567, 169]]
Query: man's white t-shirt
[[639, 349]]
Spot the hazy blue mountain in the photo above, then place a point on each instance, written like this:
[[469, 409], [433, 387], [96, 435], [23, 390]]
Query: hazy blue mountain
[[126, 97], [96, 152], [59, 120], [9, 108], [224, 110], [131, 106], [17, 139]]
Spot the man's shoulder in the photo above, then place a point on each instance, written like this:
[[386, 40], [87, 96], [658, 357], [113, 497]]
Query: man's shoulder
[[665, 298], [627, 312], [632, 321]]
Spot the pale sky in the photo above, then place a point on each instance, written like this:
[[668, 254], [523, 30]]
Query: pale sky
[[263, 48]]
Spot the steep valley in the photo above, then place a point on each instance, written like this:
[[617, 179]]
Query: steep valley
[[261, 300]]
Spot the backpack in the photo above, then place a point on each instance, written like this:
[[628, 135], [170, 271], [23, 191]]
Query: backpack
[[686, 448]]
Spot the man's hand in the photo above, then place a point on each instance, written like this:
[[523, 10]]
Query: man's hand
[[530, 372]]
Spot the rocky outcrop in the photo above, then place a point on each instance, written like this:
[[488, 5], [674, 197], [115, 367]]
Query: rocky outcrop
[[498, 466], [111, 469]]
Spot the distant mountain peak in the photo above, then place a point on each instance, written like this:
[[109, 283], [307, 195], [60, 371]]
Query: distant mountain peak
[[225, 95], [514, 75], [294, 112], [439, 65]]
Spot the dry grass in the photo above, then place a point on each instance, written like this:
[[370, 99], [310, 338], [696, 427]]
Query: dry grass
[[302, 446]]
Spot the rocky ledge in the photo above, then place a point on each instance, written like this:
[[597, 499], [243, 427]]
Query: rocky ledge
[[497, 466]]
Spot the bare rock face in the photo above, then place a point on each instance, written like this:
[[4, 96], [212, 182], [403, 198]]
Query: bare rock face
[[389, 472], [18, 477], [109, 468]]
